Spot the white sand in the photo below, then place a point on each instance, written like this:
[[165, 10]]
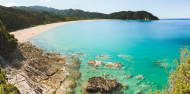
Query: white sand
[[22, 34]]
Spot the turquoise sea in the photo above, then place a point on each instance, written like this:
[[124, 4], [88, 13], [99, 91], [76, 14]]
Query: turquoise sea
[[136, 44]]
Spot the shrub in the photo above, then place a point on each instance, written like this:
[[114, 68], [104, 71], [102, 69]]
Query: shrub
[[9, 88], [7, 41], [179, 79], [2, 79]]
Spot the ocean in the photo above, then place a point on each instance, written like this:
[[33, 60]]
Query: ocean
[[146, 49]]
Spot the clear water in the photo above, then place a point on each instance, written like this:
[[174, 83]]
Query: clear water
[[136, 44]]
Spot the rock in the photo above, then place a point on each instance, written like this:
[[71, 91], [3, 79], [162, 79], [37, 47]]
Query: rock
[[79, 53], [138, 92], [72, 66], [104, 57], [120, 92], [139, 77], [127, 76], [157, 63], [99, 84], [125, 57], [73, 59], [51, 91], [56, 79], [95, 68], [95, 62], [125, 86], [31, 72], [113, 65], [105, 75], [138, 82], [144, 87], [72, 73], [25, 85], [34, 72], [66, 87]]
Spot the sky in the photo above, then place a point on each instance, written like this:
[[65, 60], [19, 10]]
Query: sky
[[160, 8]]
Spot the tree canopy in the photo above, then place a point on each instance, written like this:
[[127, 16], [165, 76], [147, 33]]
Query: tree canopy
[[15, 19], [7, 41], [126, 15]]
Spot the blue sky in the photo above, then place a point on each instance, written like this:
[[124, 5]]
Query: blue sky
[[159, 8]]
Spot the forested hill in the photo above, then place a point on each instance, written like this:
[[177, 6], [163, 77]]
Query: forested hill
[[7, 41], [15, 19], [126, 15]]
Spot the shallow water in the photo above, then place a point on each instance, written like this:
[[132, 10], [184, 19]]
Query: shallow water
[[136, 44]]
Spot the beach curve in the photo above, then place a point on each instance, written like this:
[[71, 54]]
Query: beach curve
[[23, 34]]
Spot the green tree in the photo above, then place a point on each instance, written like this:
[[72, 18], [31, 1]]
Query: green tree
[[7, 41], [179, 79]]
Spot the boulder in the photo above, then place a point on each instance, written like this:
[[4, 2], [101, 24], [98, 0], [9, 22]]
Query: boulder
[[99, 84], [95, 62], [113, 65]]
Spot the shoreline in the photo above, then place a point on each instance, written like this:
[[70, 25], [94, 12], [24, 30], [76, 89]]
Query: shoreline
[[23, 34]]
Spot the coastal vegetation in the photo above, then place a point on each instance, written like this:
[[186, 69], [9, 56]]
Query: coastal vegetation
[[125, 15], [15, 19], [46, 68], [179, 77], [23, 17], [7, 41], [33, 71], [4, 87]]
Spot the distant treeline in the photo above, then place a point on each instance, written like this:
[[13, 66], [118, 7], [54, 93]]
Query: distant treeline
[[126, 15], [23, 17], [15, 19]]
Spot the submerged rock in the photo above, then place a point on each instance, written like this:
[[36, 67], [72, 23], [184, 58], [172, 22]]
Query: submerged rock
[[95, 62], [104, 57], [139, 77], [66, 87], [95, 68], [165, 62], [113, 65], [99, 84], [127, 76], [125, 57], [138, 92], [105, 75], [144, 87], [157, 63]]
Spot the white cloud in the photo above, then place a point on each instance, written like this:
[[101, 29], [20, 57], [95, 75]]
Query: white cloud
[[9, 4], [73, 2], [45, 1]]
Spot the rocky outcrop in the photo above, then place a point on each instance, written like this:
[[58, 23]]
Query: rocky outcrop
[[113, 65], [66, 87], [99, 84], [22, 82], [95, 62], [34, 72]]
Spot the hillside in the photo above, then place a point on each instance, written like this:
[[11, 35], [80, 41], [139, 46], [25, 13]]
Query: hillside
[[126, 15], [7, 41], [15, 19]]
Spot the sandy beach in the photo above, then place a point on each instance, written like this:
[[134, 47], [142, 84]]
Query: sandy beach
[[22, 34]]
